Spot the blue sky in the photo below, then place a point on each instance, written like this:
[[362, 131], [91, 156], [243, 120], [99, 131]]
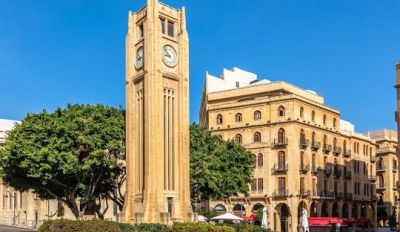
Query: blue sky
[[58, 52]]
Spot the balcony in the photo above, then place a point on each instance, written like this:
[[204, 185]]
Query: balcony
[[280, 168], [380, 187], [315, 146], [337, 172], [380, 168], [347, 174], [326, 194], [372, 158], [348, 196], [395, 168], [372, 178], [304, 193], [328, 171], [280, 193], [304, 168], [326, 148], [346, 153], [337, 151], [303, 143], [340, 195], [374, 197], [280, 143], [314, 169]]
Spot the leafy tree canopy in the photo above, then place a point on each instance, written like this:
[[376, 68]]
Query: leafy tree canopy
[[218, 168], [66, 155]]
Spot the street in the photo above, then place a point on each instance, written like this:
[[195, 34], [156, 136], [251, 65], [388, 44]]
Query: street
[[4, 228]]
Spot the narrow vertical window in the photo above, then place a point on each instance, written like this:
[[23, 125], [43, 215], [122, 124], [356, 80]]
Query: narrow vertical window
[[301, 112], [238, 117], [141, 31], [260, 184], [313, 116], [219, 119], [162, 21], [260, 160], [170, 29], [257, 137], [324, 120], [281, 111], [257, 115]]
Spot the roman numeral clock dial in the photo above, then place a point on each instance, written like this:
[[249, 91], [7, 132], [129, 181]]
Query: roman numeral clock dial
[[169, 56]]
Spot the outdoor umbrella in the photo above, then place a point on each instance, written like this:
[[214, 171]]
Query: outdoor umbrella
[[227, 217], [201, 218], [264, 219]]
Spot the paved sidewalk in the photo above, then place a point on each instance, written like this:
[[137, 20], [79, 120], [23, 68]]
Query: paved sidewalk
[[4, 228]]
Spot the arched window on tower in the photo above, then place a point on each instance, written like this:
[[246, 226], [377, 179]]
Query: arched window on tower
[[238, 117], [313, 116], [219, 119], [301, 112], [325, 140], [324, 120], [281, 111], [257, 115], [257, 137], [334, 123]]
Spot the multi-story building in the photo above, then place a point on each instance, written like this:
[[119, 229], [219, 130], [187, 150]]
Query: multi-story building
[[305, 155], [387, 173], [25, 209]]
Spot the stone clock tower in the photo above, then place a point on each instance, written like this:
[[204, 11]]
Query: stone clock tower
[[157, 118]]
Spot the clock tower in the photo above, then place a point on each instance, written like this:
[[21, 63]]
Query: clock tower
[[157, 118]]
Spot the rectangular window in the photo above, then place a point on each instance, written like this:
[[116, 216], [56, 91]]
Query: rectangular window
[[170, 29], [302, 190], [162, 25], [281, 185], [314, 187], [260, 184], [141, 31], [254, 185]]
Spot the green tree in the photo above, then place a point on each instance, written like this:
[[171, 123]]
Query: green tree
[[218, 169], [70, 154]]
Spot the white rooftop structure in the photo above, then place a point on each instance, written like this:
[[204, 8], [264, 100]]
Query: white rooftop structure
[[5, 126], [232, 79]]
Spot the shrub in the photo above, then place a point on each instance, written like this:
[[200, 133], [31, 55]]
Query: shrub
[[150, 228], [197, 227], [87, 226], [248, 228]]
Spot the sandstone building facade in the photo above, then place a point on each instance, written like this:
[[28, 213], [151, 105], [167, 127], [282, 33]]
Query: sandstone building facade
[[157, 116], [305, 155]]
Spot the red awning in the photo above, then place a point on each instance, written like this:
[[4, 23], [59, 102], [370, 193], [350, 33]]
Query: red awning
[[321, 221]]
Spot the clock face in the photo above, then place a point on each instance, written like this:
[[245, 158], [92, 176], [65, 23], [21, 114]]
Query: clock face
[[169, 56], [139, 58]]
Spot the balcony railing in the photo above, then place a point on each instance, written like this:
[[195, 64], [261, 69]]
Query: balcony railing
[[315, 146], [346, 153], [337, 172], [304, 193], [303, 143], [328, 171], [372, 178], [372, 158], [337, 150], [279, 168], [314, 169], [280, 193], [326, 148], [348, 196], [340, 195], [380, 187], [347, 174], [326, 194], [304, 168], [279, 143], [380, 168]]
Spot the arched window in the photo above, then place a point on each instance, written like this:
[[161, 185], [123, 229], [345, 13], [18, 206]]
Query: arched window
[[238, 138], [219, 119], [302, 159], [260, 159], [334, 123], [257, 115], [313, 116], [302, 136], [257, 137], [381, 182], [313, 138], [334, 142], [301, 112], [281, 135], [355, 147], [325, 140], [344, 145], [238, 117], [281, 111], [281, 160], [324, 120], [254, 157]]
